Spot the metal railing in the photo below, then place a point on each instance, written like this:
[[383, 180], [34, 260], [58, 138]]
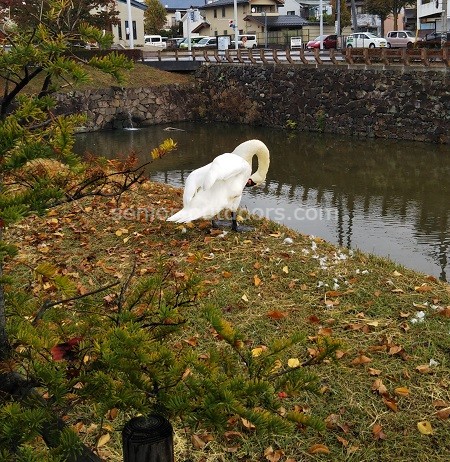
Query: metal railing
[[350, 56]]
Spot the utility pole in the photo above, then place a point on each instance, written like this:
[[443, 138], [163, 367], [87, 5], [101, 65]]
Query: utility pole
[[236, 28], [444, 23], [354, 17], [321, 24], [130, 24]]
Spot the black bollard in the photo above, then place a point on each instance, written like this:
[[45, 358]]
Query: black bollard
[[148, 439]]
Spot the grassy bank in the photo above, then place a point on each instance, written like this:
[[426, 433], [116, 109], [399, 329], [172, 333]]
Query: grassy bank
[[390, 373]]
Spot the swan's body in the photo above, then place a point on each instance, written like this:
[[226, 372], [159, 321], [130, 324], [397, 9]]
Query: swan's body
[[219, 185]]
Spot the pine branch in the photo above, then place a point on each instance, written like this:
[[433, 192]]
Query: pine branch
[[49, 304], [19, 387]]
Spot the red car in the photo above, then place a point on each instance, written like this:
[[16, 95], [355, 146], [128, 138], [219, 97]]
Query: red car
[[329, 41]]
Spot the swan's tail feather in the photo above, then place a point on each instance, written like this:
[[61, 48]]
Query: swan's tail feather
[[184, 216]]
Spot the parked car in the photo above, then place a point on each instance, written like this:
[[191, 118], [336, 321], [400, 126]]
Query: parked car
[[194, 40], [174, 42], [206, 42], [401, 39], [365, 40], [155, 41], [434, 40], [329, 41]]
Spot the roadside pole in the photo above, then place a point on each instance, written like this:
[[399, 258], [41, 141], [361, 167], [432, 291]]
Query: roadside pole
[[444, 23]]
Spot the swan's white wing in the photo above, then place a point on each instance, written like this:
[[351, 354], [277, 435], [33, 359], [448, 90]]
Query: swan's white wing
[[224, 167], [213, 188], [194, 182]]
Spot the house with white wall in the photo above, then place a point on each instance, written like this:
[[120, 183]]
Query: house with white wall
[[181, 6], [122, 30], [430, 15]]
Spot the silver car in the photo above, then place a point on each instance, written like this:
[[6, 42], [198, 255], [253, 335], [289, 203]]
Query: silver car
[[401, 39]]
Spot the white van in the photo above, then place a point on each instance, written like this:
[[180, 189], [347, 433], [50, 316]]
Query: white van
[[248, 40], [155, 41]]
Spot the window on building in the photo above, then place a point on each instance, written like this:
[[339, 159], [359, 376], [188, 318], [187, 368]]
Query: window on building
[[127, 30], [223, 12], [291, 13], [119, 30], [215, 13]]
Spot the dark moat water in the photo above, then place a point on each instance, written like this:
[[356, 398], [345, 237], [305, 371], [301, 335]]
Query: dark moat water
[[385, 197]]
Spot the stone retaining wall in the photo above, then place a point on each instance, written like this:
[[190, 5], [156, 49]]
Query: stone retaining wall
[[395, 104], [118, 107], [412, 105]]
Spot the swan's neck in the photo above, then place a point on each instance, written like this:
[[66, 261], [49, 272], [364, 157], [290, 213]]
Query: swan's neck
[[256, 148]]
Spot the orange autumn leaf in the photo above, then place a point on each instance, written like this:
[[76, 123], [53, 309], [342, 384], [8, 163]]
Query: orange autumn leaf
[[226, 274], [318, 449], [273, 455], [443, 414], [373, 371], [343, 441], [325, 331], [379, 387], [275, 314], [256, 280], [390, 403], [361, 359], [401, 391], [424, 369], [423, 288], [197, 442], [378, 433], [445, 312]]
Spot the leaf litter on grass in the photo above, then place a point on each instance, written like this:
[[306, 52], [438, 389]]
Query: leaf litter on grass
[[270, 282]]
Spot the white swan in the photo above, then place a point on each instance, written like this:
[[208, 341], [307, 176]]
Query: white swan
[[219, 185]]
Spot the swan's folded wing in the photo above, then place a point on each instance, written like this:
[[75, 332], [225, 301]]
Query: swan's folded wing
[[224, 167], [194, 182]]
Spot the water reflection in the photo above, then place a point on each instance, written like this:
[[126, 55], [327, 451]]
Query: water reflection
[[381, 196]]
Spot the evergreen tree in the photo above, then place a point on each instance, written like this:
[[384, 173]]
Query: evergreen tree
[[99, 13]]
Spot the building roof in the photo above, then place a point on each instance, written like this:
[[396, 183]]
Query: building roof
[[135, 4], [173, 5], [220, 3], [278, 22]]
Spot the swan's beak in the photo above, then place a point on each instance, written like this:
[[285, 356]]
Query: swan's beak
[[250, 183]]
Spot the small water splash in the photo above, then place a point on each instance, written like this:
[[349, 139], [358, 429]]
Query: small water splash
[[128, 124]]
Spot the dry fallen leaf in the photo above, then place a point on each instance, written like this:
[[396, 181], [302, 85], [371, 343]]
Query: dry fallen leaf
[[423, 288], [257, 351], [276, 314], [373, 371], [318, 449], [443, 414], [293, 362], [361, 359], [401, 391], [390, 403], [425, 427], [285, 269], [103, 440], [197, 442], [424, 369], [378, 433], [256, 280], [379, 387]]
